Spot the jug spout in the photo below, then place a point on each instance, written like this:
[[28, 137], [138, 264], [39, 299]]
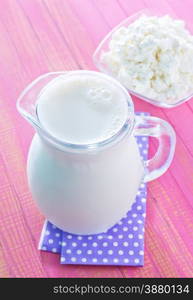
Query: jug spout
[[27, 101]]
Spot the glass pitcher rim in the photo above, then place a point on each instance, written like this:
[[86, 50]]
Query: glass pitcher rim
[[61, 144]]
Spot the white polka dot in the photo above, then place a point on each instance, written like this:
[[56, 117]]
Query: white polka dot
[[94, 244], [116, 260], [47, 232], [99, 237], [110, 237], [110, 252], [105, 260], [125, 244], [139, 222], [131, 252], [126, 260], [143, 229], [125, 228], [54, 250], [115, 229], [142, 185], [50, 241], [139, 207], [84, 259], [136, 260], [57, 234], [140, 145], [63, 244], [115, 244], [135, 244], [130, 236], [138, 193], [94, 259], [74, 244], [140, 236], [144, 151], [89, 251], [44, 248], [143, 200], [84, 244], [89, 237], [105, 244], [134, 215], [120, 252], [130, 222], [73, 259], [144, 215], [79, 237], [79, 251], [141, 252], [120, 236], [144, 138], [63, 259], [69, 236], [120, 222], [135, 228], [68, 251], [99, 252]]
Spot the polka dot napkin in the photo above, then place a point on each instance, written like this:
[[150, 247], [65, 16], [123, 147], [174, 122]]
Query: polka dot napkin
[[122, 244]]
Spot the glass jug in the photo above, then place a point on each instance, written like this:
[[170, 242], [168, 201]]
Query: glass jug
[[86, 189]]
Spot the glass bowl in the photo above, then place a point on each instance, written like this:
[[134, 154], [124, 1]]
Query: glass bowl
[[103, 47]]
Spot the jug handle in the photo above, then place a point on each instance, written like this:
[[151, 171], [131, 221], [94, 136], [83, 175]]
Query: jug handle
[[163, 131]]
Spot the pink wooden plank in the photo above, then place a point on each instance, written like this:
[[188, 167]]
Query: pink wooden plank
[[131, 8], [165, 251], [106, 12], [89, 17], [77, 38], [18, 246]]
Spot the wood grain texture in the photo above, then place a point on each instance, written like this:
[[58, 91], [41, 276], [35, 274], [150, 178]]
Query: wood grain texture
[[37, 36]]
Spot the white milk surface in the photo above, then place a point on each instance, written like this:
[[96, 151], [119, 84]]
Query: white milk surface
[[82, 109]]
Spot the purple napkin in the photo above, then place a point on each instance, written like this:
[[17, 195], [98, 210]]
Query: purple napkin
[[122, 244]]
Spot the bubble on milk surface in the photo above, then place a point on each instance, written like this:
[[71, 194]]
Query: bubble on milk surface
[[99, 97]]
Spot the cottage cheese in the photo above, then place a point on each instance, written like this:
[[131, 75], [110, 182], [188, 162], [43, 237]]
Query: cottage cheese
[[153, 56]]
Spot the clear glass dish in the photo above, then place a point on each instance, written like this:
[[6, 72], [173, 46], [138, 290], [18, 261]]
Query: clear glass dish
[[104, 47]]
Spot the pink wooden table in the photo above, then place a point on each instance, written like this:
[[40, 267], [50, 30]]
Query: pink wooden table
[[37, 36]]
